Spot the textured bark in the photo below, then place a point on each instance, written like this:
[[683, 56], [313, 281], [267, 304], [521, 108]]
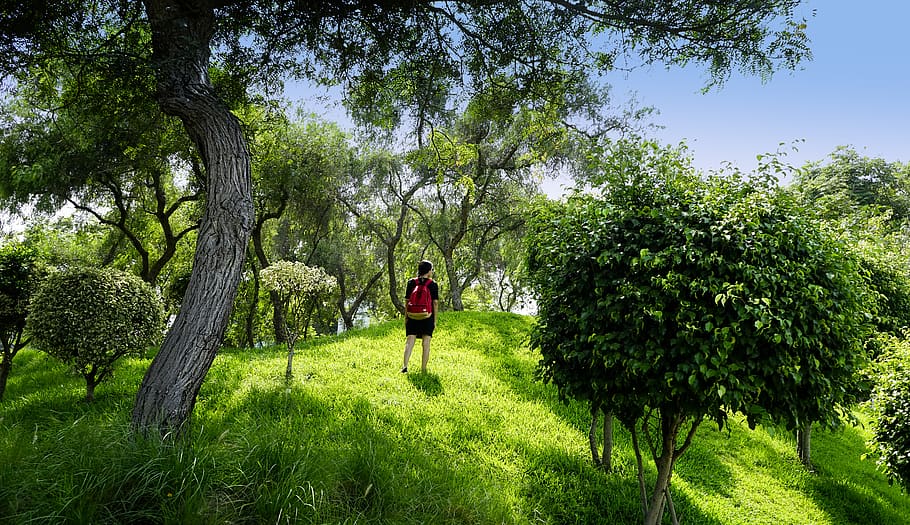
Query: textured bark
[[182, 33]]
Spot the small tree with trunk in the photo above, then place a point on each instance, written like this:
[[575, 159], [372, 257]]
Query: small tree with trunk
[[302, 290], [90, 318], [20, 272], [670, 300]]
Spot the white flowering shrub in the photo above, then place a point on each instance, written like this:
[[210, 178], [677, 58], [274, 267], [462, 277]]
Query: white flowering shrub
[[304, 290], [89, 318]]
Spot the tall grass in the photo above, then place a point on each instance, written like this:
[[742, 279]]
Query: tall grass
[[352, 440]]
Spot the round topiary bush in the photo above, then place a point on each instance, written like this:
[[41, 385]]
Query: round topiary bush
[[90, 318]]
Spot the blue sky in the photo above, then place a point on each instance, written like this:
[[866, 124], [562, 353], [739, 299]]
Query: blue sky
[[855, 91]]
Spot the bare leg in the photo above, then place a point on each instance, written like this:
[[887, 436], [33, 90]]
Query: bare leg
[[426, 353], [408, 347]]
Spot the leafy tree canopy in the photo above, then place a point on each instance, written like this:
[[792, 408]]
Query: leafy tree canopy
[[701, 294], [363, 45], [677, 298]]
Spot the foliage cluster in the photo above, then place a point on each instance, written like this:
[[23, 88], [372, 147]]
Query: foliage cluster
[[866, 201], [399, 57], [90, 318], [21, 270], [303, 289], [716, 294], [889, 407], [679, 298]]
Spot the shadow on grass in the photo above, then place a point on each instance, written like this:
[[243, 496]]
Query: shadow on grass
[[849, 488], [428, 383], [569, 490]]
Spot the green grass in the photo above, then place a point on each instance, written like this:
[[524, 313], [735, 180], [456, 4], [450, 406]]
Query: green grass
[[476, 440]]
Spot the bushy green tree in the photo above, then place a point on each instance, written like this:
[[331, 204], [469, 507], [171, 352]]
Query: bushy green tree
[[890, 410], [867, 200], [21, 270], [303, 290], [671, 300], [89, 318]]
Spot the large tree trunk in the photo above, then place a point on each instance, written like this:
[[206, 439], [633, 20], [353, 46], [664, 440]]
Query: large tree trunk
[[181, 37]]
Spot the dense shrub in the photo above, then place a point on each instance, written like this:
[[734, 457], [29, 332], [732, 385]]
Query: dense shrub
[[673, 299], [20, 272], [90, 318], [890, 408]]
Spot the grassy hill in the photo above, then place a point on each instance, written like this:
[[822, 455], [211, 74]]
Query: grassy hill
[[476, 440]]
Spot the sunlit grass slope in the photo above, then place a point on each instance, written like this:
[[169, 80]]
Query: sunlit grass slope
[[352, 440]]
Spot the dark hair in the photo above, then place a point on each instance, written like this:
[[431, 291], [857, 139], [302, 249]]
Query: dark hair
[[424, 267]]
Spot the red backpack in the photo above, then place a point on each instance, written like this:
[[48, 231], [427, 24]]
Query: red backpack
[[420, 303]]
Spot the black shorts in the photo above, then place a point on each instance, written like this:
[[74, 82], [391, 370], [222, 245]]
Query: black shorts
[[419, 328]]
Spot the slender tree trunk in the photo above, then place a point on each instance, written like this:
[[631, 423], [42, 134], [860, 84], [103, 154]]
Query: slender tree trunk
[[592, 434], [394, 293], [11, 347], [664, 464], [454, 283], [289, 371], [90, 384], [665, 453], [279, 319], [181, 39], [278, 314], [249, 321], [607, 461], [642, 489], [348, 315], [6, 366], [804, 445]]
